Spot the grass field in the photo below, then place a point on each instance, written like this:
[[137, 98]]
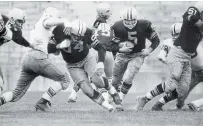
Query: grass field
[[87, 113]]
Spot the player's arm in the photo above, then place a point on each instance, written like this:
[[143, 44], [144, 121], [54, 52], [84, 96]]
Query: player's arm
[[98, 22], [19, 39], [193, 15], [50, 22], [152, 36]]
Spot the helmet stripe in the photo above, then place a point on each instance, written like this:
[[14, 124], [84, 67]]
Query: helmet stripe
[[128, 14], [82, 28], [79, 28], [174, 28], [131, 11]]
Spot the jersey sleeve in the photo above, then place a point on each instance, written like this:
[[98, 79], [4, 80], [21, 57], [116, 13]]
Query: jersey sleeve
[[192, 15], [152, 35], [58, 34], [2, 27]]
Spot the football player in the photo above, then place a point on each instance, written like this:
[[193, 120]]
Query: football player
[[130, 37], [36, 63], [73, 41], [11, 29], [197, 67], [104, 13], [179, 60]]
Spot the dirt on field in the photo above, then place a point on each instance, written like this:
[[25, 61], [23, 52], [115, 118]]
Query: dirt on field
[[87, 113]]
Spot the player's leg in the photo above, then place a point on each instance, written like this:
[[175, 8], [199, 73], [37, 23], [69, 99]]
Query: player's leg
[[24, 81], [80, 77], [49, 70], [73, 95], [133, 68], [99, 81], [168, 86], [165, 99], [195, 105], [119, 68]]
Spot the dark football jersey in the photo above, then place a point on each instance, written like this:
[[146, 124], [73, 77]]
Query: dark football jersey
[[190, 36], [16, 35], [98, 21], [77, 50], [137, 35]]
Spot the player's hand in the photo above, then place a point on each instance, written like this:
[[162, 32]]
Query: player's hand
[[64, 44], [100, 69], [146, 52], [162, 56], [125, 47]]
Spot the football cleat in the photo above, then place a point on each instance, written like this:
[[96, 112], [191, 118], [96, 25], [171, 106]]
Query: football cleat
[[43, 105], [119, 107], [158, 106], [193, 107], [116, 98], [141, 102], [73, 96]]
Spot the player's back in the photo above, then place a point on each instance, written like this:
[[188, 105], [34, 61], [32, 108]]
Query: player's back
[[190, 35], [40, 35]]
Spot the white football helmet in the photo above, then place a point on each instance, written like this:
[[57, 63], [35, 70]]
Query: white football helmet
[[104, 10], [51, 12], [17, 18], [129, 17], [77, 31], [175, 29]]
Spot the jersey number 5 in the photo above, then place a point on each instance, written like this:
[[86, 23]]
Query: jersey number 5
[[132, 36]]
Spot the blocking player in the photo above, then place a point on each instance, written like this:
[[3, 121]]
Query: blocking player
[[130, 37], [11, 29], [197, 66], [80, 61], [179, 59], [36, 63], [104, 13]]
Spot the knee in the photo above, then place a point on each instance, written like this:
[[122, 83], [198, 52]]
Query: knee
[[168, 86], [86, 88], [64, 81]]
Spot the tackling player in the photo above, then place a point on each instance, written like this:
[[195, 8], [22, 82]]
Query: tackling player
[[11, 29], [73, 41], [179, 60], [36, 63], [130, 37]]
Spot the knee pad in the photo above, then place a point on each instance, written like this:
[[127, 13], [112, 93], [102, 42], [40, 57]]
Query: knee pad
[[65, 81]]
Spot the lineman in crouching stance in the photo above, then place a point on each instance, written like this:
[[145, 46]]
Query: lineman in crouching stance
[[73, 40]]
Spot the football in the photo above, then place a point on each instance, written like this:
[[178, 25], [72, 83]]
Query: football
[[127, 44]]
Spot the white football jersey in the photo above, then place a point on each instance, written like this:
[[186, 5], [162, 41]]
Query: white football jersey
[[197, 58], [40, 35]]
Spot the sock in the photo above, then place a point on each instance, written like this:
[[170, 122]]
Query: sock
[[198, 103], [76, 88], [97, 97], [53, 90], [6, 97], [157, 91], [169, 97], [125, 88]]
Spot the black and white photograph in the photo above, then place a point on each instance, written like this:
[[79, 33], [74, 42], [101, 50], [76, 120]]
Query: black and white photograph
[[101, 63]]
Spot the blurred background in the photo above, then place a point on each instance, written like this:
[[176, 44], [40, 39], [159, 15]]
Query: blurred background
[[162, 14]]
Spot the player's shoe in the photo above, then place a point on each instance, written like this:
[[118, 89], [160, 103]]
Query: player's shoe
[[119, 107], [73, 96], [116, 98], [158, 106], [193, 107], [43, 105], [141, 102], [112, 110]]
